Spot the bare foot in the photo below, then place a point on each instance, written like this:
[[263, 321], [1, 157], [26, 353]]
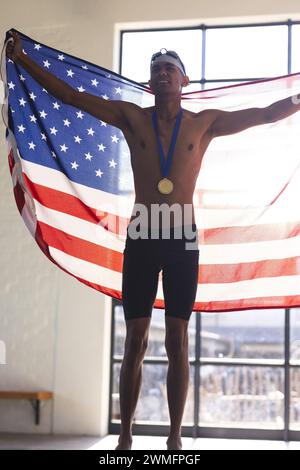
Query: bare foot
[[124, 443], [174, 443]]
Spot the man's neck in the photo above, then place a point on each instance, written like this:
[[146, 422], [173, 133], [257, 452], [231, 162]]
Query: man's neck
[[167, 107]]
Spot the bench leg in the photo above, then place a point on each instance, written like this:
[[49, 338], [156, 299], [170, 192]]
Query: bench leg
[[36, 409]]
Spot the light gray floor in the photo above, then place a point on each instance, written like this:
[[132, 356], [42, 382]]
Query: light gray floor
[[38, 441]]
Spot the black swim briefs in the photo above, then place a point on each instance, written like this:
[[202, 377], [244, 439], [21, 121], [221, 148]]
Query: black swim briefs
[[144, 258]]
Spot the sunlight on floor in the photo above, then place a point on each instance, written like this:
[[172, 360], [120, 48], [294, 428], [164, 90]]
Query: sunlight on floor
[[109, 442]]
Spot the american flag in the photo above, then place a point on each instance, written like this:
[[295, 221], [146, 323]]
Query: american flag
[[73, 184]]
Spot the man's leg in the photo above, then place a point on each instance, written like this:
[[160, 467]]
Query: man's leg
[[131, 375], [139, 287], [177, 376], [180, 280]]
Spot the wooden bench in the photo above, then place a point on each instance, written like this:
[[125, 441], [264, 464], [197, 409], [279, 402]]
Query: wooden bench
[[35, 399]]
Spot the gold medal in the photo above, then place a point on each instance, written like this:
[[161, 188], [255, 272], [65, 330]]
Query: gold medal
[[165, 186]]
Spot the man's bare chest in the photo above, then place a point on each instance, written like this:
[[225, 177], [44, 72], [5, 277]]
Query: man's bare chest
[[144, 145]]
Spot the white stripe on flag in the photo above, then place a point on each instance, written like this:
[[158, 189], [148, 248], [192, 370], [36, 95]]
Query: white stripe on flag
[[250, 252], [262, 287]]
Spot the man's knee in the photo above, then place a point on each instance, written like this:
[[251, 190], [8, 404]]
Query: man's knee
[[135, 346], [176, 340], [176, 347], [137, 338]]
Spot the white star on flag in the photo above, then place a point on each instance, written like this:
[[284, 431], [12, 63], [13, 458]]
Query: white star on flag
[[91, 131], [79, 114], [21, 128], [99, 173], [22, 102], [101, 147], [115, 139], [112, 164], [53, 130], [31, 145], [63, 148], [43, 114]]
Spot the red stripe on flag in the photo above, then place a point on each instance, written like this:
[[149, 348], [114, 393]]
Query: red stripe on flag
[[11, 161], [246, 304], [227, 273], [71, 205], [19, 196], [82, 249]]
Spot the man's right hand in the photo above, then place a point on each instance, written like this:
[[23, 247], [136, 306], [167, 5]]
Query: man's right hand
[[14, 49]]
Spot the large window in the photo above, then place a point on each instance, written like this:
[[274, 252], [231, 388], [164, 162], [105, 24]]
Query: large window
[[244, 366]]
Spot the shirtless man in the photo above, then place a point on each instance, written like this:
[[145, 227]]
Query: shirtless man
[[143, 259]]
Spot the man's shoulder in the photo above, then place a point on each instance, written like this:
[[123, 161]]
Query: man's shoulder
[[203, 120], [207, 113], [132, 113], [128, 105], [203, 114], [131, 109]]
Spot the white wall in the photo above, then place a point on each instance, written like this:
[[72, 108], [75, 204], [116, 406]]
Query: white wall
[[56, 330]]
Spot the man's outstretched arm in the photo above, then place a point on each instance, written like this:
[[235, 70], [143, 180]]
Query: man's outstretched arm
[[113, 112], [231, 122]]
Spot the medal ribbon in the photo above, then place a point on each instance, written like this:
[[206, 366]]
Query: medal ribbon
[[166, 164]]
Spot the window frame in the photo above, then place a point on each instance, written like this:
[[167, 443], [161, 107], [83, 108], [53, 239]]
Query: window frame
[[196, 430]]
